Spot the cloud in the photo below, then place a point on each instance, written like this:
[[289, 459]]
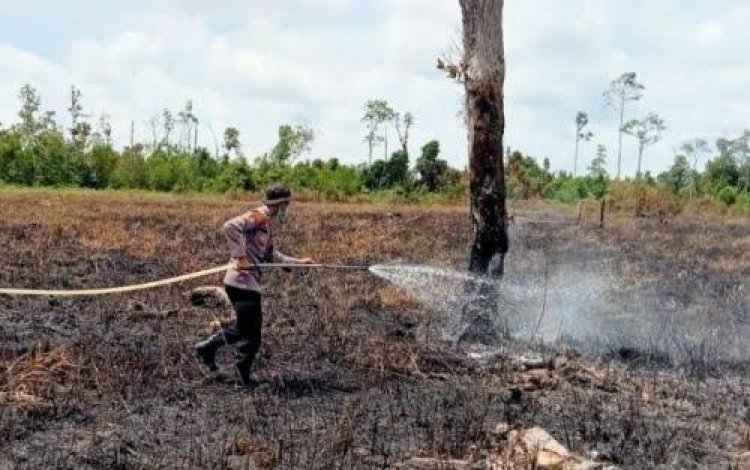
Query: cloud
[[257, 64], [18, 67]]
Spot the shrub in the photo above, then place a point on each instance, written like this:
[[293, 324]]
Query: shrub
[[728, 195]]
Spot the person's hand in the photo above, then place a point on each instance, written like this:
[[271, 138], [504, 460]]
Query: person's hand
[[306, 261], [242, 264]]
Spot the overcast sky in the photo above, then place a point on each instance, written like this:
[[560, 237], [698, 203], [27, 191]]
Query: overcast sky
[[255, 64]]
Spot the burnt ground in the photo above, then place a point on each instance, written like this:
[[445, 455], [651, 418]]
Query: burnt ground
[[348, 379]]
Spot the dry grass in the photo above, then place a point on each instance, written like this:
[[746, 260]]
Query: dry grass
[[30, 380]]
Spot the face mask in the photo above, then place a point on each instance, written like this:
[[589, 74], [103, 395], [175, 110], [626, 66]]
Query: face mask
[[283, 214]]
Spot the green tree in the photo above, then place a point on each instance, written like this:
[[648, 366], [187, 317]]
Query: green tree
[[739, 150], [168, 122], [679, 176], [103, 133], [398, 169], [377, 113], [722, 171], [693, 151], [130, 171], [582, 120], [403, 126], [648, 131], [525, 178], [44, 152], [385, 174], [189, 122], [102, 160], [599, 162], [52, 155], [79, 130], [235, 175], [14, 167], [30, 123], [621, 90], [728, 195], [597, 180], [293, 142], [432, 170], [232, 140]]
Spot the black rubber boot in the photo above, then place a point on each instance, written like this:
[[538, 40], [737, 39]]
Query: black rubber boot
[[206, 350], [245, 354], [243, 368]]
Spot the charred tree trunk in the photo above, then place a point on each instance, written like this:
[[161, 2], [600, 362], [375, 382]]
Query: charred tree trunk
[[482, 71], [483, 76]]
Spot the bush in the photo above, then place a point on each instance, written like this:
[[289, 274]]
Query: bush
[[388, 174], [234, 176], [728, 195], [570, 190]]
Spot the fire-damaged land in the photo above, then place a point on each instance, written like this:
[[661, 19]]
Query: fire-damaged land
[[351, 373]]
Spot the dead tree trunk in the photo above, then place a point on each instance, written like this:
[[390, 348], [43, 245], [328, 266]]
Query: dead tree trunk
[[483, 70]]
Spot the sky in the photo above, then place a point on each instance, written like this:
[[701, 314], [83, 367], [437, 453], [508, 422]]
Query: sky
[[255, 64]]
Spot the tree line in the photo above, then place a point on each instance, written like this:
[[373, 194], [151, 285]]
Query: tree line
[[37, 151], [726, 175]]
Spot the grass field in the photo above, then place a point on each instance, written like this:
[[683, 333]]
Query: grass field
[[351, 374]]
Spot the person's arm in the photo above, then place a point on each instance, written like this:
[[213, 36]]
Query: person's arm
[[279, 257]]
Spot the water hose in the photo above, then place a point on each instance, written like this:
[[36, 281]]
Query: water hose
[[164, 282]]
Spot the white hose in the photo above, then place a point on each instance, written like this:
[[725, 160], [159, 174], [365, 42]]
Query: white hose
[[162, 282]]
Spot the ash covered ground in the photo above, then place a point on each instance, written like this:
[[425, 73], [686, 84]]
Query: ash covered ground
[[636, 355]]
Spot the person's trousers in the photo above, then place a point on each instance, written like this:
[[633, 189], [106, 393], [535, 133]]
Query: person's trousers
[[245, 330]]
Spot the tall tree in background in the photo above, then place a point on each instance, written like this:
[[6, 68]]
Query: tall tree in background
[[679, 176], [104, 130], [430, 168], [189, 122], [371, 137], [79, 130], [693, 151], [621, 90], [30, 126], [293, 142], [168, 122], [483, 69], [582, 120], [598, 181], [741, 151], [738, 151], [598, 166], [377, 113], [30, 104], [648, 132], [403, 126], [232, 140]]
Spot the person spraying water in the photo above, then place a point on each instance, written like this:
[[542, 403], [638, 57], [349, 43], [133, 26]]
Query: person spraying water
[[250, 241]]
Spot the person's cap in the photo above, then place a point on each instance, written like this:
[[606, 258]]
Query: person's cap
[[277, 193]]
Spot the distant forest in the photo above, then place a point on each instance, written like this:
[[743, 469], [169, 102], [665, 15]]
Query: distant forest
[[37, 151]]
